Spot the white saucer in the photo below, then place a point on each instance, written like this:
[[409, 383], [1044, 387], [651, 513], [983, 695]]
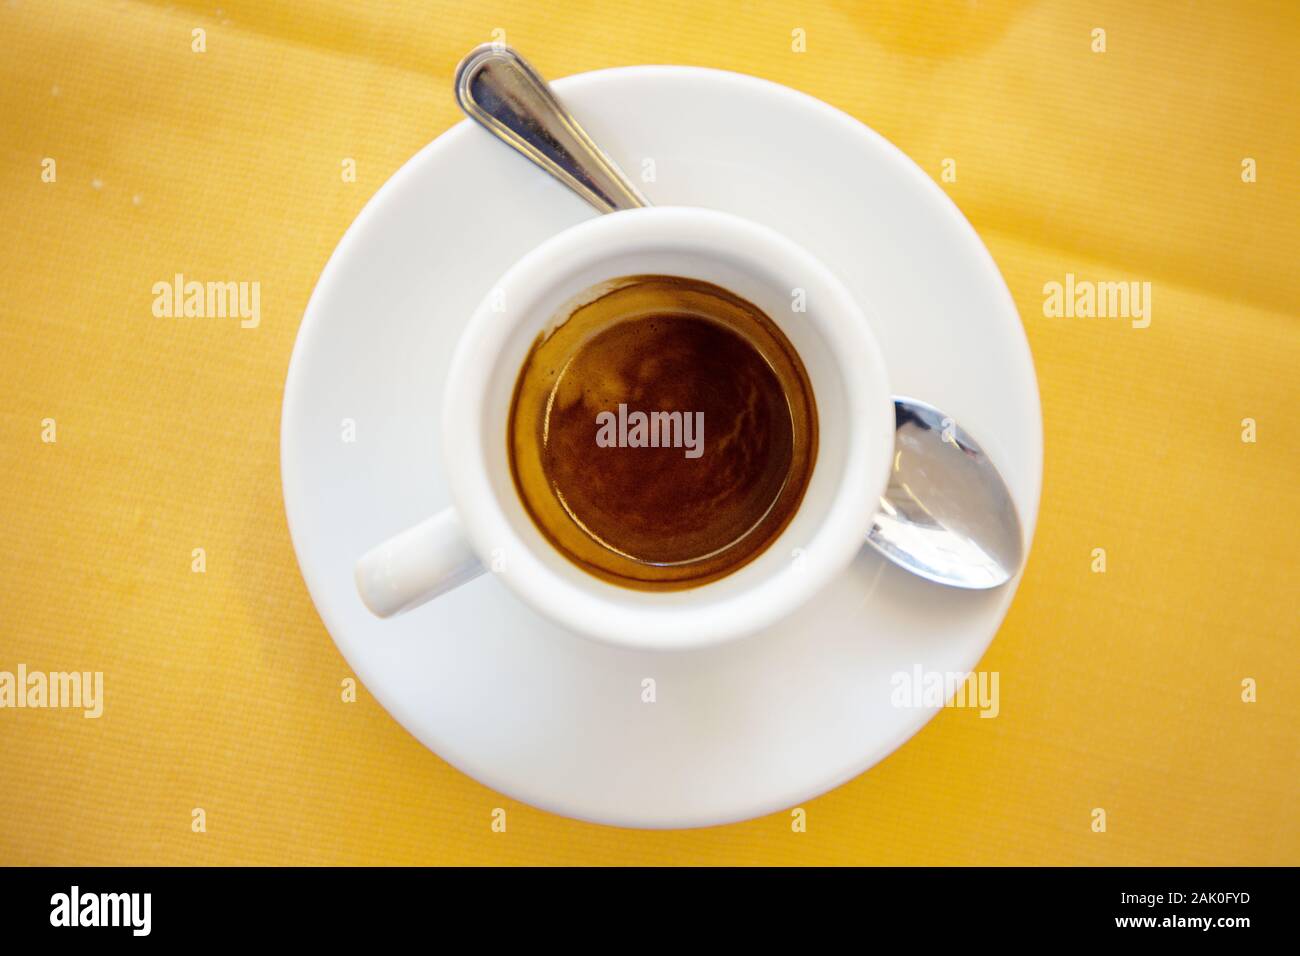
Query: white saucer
[[544, 716]]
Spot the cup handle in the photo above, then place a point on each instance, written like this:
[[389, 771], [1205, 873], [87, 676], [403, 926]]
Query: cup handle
[[416, 565]]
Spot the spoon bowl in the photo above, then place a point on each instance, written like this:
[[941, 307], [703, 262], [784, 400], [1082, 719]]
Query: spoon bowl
[[947, 514]]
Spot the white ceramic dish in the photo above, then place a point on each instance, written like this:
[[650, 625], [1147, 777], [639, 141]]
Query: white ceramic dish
[[545, 716]]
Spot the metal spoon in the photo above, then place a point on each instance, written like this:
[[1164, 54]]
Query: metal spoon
[[947, 514]]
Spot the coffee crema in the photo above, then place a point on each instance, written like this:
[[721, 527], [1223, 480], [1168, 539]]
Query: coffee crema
[[663, 433]]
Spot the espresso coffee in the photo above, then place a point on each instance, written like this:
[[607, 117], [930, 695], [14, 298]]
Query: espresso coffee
[[662, 433]]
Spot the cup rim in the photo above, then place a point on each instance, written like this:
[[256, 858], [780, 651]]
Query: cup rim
[[593, 612]]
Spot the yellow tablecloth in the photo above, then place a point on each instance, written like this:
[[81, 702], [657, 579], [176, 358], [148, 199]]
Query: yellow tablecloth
[[1120, 690]]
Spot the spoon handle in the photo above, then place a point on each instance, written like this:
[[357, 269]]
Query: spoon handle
[[497, 88]]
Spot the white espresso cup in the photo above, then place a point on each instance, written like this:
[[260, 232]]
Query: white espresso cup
[[487, 526]]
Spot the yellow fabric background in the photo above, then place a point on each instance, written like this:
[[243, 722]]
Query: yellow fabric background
[[1119, 690]]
